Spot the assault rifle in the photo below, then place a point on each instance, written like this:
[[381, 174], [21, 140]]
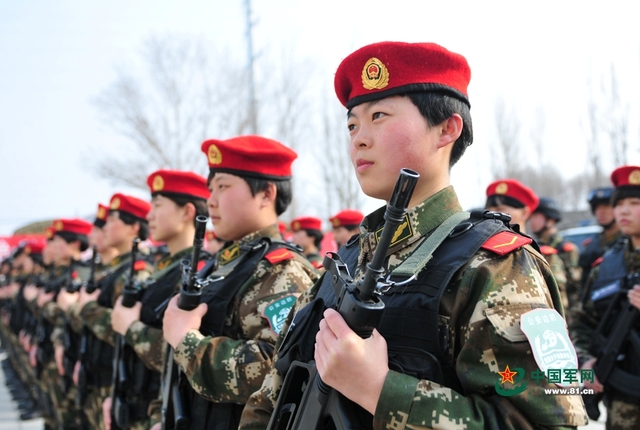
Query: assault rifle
[[306, 402], [614, 332], [174, 411], [85, 346], [120, 413]]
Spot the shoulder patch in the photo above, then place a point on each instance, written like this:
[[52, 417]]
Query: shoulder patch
[[505, 242], [277, 311], [548, 250], [278, 255], [598, 261], [568, 247], [139, 265]]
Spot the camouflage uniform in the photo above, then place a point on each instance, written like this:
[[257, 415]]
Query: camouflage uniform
[[559, 273], [228, 368], [146, 338], [623, 412], [488, 285], [96, 316], [569, 254]]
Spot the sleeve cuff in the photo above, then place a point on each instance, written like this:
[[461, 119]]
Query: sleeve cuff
[[186, 349], [397, 394], [133, 332]]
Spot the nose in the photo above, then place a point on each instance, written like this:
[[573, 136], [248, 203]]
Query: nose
[[362, 138]]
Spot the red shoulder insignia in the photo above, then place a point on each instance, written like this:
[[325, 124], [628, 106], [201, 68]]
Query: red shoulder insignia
[[568, 247], [317, 264], [278, 255], [548, 250], [505, 242], [139, 265], [201, 264], [598, 261]]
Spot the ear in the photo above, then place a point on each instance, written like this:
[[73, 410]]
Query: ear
[[450, 130], [269, 195], [189, 212], [526, 212]]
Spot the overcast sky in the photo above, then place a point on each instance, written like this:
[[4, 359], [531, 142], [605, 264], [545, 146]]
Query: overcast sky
[[56, 56]]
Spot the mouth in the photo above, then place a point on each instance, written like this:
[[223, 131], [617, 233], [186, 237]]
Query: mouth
[[362, 165]]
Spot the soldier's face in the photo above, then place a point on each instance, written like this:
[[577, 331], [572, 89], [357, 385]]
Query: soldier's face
[[166, 218], [627, 214], [234, 212], [604, 214], [390, 134], [117, 234], [341, 235]]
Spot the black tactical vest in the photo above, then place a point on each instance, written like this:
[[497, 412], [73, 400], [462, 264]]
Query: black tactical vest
[[417, 344]]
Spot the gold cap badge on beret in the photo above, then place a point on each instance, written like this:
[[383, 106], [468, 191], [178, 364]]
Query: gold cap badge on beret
[[58, 226], [295, 226], [115, 203], [214, 155], [158, 183], [375, 75], [335, 222], [502, 188], [634, 177], [102, 213]]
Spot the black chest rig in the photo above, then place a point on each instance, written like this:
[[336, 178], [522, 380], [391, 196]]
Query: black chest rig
[[99, 357], [220, 297], [417, 344], [609, 295]]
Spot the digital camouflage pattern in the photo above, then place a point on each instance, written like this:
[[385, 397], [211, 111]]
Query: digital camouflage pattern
[[570, 256], [481, 310], [230, 368], [620, 413], [147, 341], [557, 270]]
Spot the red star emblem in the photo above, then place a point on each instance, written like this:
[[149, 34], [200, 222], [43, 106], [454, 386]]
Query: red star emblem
[[507, 375]]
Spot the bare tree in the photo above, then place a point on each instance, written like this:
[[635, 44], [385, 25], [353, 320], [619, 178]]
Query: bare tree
[[342, 189], [507, 149], [166, 112]]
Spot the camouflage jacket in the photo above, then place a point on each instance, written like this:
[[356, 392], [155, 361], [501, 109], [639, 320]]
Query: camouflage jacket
[[229, 368], [145, 339], [97, 317], [480, 309], [570, 256]]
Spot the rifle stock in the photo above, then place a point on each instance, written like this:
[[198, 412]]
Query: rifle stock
[[305, 401]]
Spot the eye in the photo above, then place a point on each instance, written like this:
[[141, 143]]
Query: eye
[[377, 115]]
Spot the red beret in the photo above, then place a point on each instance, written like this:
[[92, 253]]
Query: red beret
[[177, 182], [306, 223], [628, 176], [101, 215], [75, 225], [33, 247], [515, 190], [346, 217], [389, 68], [131, 205], [252, 156]]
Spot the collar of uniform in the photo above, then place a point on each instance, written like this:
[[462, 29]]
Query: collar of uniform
[[119, 259], [271, 231], [423, 219], [166, 261]]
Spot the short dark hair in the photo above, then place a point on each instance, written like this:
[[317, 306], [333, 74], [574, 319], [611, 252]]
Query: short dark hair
[[317, 236], [182, 200], [437, 107], [284, 190], [497, 200], [73, 237], [127, 218]]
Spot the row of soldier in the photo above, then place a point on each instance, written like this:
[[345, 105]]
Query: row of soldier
[[456, 288]]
